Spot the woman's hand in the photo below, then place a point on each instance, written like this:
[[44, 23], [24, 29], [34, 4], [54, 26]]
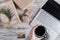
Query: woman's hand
[[31, 34]]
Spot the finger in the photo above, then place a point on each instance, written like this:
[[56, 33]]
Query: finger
[[32, 31], [38, 39], [35, 27]]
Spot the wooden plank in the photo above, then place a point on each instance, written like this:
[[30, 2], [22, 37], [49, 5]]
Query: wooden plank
[[23, 4]]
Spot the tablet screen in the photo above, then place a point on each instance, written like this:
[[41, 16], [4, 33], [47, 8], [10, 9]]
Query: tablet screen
[[53, 8]]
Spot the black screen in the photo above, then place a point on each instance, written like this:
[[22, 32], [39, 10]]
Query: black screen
[[53, 8]]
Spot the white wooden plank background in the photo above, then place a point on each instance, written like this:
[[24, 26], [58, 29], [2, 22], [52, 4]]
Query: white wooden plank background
[[10, 34]]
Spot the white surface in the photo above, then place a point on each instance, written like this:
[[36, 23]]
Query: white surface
[[10, 34], [58, 1]]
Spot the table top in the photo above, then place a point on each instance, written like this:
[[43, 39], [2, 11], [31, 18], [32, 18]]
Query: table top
[[10, 34]]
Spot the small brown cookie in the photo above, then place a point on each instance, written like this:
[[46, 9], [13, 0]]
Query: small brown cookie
[[21, 35], [25, 19], [28, 13]]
